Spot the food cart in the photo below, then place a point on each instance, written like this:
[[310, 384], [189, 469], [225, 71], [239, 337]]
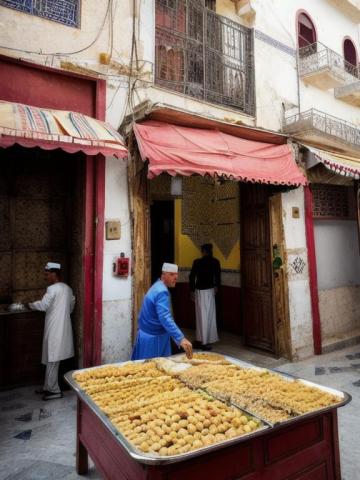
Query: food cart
[[301, 448]]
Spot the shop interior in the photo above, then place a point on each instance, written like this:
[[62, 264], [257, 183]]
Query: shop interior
[[185, 213], [242, 223], [41, 213]]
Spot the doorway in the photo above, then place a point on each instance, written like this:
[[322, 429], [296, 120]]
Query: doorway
[[162, 235], [41, 216], [252, 302]]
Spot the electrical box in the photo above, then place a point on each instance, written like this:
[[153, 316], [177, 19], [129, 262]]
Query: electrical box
[[112, 229], [121, 266]]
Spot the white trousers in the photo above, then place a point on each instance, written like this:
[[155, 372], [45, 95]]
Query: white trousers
[[205, 309], [52, 377]]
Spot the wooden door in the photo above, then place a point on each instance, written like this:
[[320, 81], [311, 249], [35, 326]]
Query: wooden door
[[256, 269], [280, 281]]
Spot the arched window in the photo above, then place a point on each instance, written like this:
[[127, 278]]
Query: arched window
[[350, 55], [306, 31]]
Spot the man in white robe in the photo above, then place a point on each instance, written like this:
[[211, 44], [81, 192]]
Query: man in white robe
[[58, 303], [205, 278]]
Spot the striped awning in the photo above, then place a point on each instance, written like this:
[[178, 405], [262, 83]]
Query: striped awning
[[340, 164], [72, 132]]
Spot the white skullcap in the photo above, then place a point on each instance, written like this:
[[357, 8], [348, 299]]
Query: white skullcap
[[170, 268], [52, 265]]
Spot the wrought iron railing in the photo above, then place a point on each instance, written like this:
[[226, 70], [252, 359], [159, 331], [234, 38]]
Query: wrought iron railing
[[204, 55], [317, 57], [315, 121]]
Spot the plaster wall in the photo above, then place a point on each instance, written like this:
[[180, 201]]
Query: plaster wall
[[298, 275], [337, 253], [116, 331], [276, 74], [338, 267], [30, 33], [339, 311]]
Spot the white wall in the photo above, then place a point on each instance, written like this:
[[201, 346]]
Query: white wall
[[298, 275], [338, 269], [337, 253], [116, 291], [276, 75]]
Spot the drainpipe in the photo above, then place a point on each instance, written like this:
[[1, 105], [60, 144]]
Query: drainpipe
[[310, 243]]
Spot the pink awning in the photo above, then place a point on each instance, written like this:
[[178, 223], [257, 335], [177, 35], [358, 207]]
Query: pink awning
[[186, 151], [73, 132]]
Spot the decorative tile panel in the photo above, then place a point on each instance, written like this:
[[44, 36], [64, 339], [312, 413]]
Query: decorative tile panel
[[275, 43], [211, 212], [66, 12]]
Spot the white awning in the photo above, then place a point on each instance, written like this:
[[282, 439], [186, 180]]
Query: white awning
[[341, 164]]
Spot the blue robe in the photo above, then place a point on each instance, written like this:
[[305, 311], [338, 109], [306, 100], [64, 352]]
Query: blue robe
[[156, 325]]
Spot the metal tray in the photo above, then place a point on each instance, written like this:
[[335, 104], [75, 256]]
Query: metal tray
[[146, 458], [346, 397], [152, 459]]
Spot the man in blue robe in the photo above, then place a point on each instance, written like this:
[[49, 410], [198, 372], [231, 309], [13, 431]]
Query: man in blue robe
[[156, 324]]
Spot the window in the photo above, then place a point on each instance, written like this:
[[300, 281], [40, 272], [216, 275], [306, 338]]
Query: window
[[333, 202], [350, 57], [66, 12], [204, 55], [306, 31]]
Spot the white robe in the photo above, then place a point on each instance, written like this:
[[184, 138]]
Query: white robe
[[205, 309], [58, 302]]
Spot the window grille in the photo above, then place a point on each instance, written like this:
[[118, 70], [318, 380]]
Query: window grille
[[61, 11], [204, 55], [333, 202]]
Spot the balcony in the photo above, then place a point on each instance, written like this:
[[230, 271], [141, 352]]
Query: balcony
[[317, 127], [204, 55], [349, 7], [323, 68], [350, 91]]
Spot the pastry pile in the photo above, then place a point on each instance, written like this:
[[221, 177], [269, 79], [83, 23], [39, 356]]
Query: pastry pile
[[206, 358], [263, 393], [158, 413], [168, 408]]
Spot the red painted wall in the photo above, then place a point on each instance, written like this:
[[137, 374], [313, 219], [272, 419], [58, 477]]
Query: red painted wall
[[44, 87], [40, 86]]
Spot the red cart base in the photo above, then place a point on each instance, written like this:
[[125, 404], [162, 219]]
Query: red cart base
[[308, 449]]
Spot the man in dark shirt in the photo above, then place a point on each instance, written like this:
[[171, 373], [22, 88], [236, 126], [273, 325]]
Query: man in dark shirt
[[205, 279]]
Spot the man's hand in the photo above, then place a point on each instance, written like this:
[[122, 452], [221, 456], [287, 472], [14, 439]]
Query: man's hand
[[187, 346]]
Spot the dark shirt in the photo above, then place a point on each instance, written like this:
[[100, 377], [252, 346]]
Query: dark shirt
[[205, 273]]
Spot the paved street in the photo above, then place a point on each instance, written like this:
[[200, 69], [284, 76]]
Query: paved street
[[37, 439]]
